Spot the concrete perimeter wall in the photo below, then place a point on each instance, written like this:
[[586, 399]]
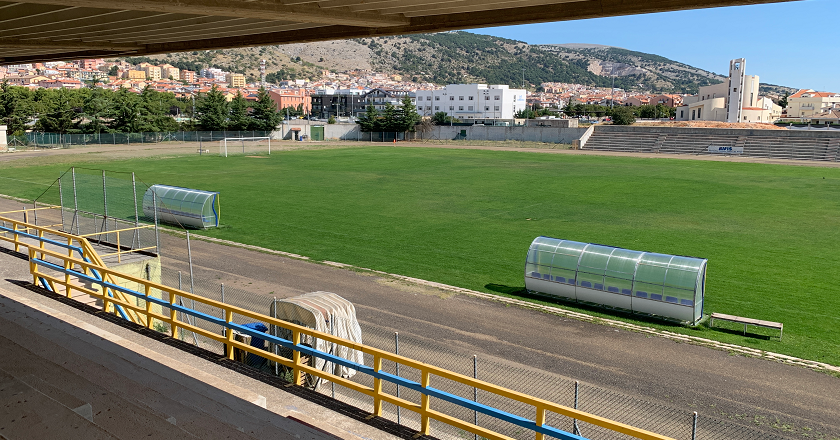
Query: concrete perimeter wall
[[351, 132]]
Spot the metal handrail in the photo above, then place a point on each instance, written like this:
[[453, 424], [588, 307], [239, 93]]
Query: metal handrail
[[427, 391], [84, 249]]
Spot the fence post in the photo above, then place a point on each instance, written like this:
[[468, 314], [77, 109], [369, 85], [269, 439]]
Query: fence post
[[105, 203], [397, 371], [75, 204], [576, 429], [136, 213], [475, 392], [694, 427], [61, 201], [157, 232]]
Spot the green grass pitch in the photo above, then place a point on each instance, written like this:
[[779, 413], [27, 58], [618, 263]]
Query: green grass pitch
[[466, 218]]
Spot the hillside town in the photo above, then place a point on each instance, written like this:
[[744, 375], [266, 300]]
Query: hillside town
[[346, 95]]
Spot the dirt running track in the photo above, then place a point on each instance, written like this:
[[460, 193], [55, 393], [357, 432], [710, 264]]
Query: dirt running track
[[685, 376]]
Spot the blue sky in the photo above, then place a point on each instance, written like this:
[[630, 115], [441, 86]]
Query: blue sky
[[792, 44]]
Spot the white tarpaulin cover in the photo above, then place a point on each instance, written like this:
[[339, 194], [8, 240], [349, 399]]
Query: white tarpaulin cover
[[328, 313]]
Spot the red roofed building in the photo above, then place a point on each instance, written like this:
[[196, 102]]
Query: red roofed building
[[807, 102]]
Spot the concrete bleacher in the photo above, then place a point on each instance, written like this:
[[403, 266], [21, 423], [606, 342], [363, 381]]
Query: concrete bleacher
[[772, 144]]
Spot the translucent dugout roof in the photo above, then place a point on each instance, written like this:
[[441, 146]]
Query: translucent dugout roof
[[183, 206], [641, 275]]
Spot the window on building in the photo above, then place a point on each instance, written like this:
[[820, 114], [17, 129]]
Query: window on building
[[471, 98], [451, 107], [470, 108], [437, 98], [682, 114], [461, 107], [496, 108], [487, 108], [451, 98], [699, 110], [428, 98], [692, 115], [460, 98], [437, 107], [486, 97], [496, 98]]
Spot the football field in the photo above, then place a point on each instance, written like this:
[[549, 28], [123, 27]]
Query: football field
[[467, 217]]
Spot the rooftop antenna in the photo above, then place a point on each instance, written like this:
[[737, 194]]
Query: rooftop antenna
[[262, 73]]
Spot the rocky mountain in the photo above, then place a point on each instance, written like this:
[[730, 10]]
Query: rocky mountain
[[463, 57]]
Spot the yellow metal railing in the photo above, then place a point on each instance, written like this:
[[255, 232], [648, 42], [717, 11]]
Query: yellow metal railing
[[41, 233], [43, 261]]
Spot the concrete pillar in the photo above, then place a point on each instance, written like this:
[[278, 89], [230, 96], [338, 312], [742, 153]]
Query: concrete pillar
[[3, 143]]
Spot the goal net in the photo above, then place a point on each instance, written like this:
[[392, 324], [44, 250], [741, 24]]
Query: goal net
[[244, 145]]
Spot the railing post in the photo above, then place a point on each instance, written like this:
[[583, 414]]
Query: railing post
[[296, 378], [16, 239], [229, 346], [224, 329], [148, 290], [377, 387], [173, 316], [540, 422], [424, 405]]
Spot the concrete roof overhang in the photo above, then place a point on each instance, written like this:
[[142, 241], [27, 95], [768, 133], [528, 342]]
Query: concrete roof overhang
[[45, 30]]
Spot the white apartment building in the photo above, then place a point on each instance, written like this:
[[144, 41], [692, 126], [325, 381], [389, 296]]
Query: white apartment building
[[735, 100], [152, 72], [168, 71], [214, 73], [472, 101], [807, 102]]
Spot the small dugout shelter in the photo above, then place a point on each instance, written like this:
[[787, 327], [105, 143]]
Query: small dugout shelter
[[669, 286], [185, 207]]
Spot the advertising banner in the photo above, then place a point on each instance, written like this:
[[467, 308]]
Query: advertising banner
[[725, 149]]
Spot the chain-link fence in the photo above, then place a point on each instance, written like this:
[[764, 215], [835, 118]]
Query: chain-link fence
[[653, 416], [66, 140], [106, 207]]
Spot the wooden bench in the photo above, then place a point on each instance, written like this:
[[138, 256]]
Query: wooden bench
[[203, 150], [746, 322]]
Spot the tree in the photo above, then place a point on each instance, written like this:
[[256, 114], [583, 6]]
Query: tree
[[113, 71], [331, 120], [441, 118], [391, 118], [212, 110], [408, 116], [124, 113], [370, 120], [265, 116], [623, 116], [59, 110], [239, 118], [783, 101], [17, 108]]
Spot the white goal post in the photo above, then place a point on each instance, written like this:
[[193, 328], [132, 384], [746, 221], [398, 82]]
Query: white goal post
[[223, 144]]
